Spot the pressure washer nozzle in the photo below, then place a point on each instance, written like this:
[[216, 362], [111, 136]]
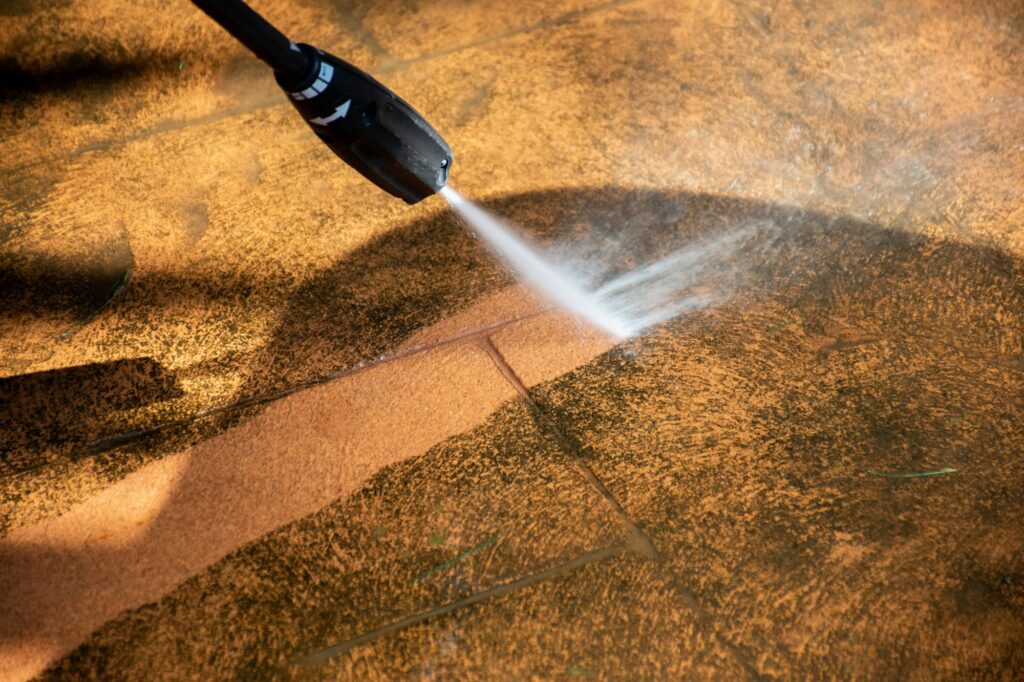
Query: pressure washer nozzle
[[369, 127], [363, 122]]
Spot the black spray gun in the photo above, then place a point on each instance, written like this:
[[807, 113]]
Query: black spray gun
[[368, 126]]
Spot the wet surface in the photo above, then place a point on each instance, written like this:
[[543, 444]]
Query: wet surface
[[737, 442], [259, 421]]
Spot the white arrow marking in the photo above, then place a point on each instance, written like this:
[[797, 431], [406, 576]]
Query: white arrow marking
[[338, 113]]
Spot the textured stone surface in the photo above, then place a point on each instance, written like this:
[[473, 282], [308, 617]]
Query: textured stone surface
[[137, 539], [184, 269], [368, 560], [767, 428]]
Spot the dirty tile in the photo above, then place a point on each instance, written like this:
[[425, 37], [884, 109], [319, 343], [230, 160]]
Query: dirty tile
[[178, 257], [424, 29], [817, 460], [479, 510], [570, 625]]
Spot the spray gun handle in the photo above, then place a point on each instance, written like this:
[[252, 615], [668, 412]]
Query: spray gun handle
[[256, 33]]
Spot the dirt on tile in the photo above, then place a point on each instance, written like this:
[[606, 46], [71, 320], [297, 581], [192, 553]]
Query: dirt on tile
[[367, 559], [740, 440], [207, 316]]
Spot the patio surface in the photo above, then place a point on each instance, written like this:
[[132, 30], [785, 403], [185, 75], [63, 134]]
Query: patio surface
[[259, 420]]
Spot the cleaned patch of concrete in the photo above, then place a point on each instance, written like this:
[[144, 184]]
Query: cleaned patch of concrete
[[386, 544]]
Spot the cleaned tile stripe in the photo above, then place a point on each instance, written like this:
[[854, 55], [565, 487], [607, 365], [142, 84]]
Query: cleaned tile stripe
[[110, 442]]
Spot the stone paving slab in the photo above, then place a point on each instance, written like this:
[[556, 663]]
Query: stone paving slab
[[132, 542], [181, 263], [367, 560], [832, 465]]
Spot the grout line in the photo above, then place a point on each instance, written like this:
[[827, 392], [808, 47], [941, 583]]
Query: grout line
[[704, 617], [550, 22], [109, 442], [323, 655], [638, 540]]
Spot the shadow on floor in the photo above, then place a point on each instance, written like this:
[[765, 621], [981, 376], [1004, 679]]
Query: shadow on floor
[[98, 68], [30, 285], [59, 410], [370, 302], [844, 282]]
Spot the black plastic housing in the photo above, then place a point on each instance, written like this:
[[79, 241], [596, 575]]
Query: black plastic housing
[[369, 127]]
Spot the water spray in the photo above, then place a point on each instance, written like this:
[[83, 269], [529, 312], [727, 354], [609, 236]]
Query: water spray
[[533, 269], [621, 304]]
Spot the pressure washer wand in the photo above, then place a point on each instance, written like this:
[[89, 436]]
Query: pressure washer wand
[[367, 125]]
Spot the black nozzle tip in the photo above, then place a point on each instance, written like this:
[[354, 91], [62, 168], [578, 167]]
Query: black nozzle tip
[[369, 127]]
